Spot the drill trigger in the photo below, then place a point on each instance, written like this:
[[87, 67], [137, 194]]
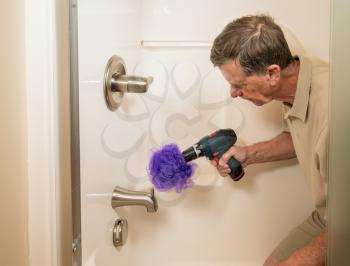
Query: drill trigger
[[212, 134]]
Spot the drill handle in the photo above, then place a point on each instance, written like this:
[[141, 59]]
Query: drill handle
[[236, 169]]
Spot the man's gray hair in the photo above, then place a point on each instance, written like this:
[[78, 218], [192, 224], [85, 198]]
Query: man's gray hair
[[255, 42]]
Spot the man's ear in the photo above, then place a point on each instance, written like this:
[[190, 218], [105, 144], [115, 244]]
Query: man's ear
[[274, 74]]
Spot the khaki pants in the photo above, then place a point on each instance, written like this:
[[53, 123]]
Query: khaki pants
[[300, 236]]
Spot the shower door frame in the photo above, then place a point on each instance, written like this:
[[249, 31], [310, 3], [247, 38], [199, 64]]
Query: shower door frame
[[75, 141]]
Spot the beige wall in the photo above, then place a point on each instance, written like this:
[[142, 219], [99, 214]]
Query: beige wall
[[14, 249], [13, 146]]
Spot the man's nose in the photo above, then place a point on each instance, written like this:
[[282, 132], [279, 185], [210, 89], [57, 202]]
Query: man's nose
[[234, 92]]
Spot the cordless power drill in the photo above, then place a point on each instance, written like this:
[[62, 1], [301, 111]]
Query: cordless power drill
[[213, 147]]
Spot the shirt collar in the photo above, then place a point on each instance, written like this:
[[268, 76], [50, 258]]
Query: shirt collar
[[301, 99]]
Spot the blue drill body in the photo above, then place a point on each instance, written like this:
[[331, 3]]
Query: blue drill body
[[213, 147]]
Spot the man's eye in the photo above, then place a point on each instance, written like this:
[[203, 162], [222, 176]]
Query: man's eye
[[237, 86]]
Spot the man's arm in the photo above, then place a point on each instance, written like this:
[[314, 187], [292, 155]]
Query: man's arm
[[279, 148]]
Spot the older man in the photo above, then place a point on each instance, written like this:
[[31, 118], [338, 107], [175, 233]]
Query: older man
[[255, 59]]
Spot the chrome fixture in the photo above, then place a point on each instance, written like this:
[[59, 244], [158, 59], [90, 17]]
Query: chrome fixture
[[124, 197], [120, 232], [116, 83]]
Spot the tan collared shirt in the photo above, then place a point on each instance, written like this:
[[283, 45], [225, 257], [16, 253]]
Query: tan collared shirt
[[307, 122]]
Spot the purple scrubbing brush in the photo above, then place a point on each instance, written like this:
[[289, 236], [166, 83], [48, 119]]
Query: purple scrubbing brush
[[168, 169]]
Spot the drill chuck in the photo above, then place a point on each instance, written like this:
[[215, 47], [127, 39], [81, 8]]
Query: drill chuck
[[192, 153]]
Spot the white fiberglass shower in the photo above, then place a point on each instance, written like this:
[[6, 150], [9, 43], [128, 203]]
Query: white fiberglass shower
[[216, 222]]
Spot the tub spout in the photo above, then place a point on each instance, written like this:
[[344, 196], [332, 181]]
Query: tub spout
[[124, 197]]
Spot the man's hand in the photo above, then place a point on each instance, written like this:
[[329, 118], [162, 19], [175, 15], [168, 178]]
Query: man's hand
[[239, 153]]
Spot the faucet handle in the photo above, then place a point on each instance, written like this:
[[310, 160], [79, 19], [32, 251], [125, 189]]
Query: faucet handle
[[125, 197], [116, 83], [127, 83]]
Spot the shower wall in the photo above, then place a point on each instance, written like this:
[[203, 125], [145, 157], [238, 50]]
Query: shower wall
[[216, 222]]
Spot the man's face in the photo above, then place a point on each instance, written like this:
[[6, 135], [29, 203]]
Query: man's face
[[255, 88]]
